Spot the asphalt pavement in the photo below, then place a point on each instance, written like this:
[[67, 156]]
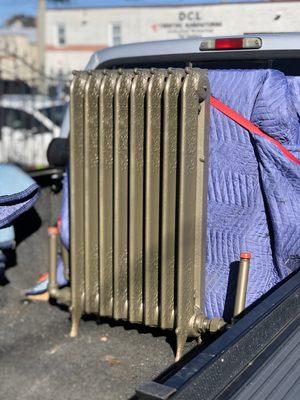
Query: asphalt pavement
[[38, 359]]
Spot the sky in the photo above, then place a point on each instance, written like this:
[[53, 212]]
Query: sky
[[12, 7], [29, 7]]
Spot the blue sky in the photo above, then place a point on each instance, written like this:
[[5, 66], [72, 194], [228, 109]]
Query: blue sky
[[11, 7], [29, 7]]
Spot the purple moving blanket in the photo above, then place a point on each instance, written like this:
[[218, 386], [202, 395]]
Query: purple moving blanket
[[254, 191], [18, 192], [64, 233]]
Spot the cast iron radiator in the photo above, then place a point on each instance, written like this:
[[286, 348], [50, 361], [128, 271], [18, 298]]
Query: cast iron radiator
[[137, 197]]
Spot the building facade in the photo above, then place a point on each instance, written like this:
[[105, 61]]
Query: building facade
[[73, 34], [18, 53]]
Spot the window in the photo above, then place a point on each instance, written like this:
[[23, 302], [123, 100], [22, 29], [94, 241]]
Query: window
[[116, 34], [289, 66], [61, 33], [55, 113], [20, 120]]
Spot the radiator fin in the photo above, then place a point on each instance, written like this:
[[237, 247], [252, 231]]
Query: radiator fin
[[106, 135], [169, 198], [136, 196], [121, 140], [152, 194], [77, 116], [91, 190]]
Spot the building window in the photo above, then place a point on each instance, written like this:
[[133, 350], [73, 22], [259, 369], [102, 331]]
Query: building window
[[115, 34], [61, 33]]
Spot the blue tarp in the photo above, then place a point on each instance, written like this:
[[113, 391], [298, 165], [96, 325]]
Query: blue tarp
[[18, 192], [65, 236]]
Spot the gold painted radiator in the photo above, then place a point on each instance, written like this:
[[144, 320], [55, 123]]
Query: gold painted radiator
[[137, 197]]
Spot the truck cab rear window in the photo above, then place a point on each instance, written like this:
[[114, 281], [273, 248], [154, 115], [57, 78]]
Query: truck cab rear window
[[289, 66]]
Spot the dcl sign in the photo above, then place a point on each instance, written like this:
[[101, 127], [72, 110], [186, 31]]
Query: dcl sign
[[189, 16]]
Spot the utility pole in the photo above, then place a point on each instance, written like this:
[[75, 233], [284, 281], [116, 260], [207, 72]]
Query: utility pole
[[41, 44]]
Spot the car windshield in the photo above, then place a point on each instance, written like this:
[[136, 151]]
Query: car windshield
[[55, 113]]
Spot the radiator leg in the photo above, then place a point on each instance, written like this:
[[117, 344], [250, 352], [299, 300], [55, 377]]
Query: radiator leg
[[52, 286], [181, 340], [61, 295], [76, 316]]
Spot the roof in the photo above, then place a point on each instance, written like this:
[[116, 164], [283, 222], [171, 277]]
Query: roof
[[83, 4]]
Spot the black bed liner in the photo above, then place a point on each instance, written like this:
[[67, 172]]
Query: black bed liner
[[278, 377], [262, 348]]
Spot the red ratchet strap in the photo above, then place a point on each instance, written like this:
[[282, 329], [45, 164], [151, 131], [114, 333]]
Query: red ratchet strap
[[243, 122]]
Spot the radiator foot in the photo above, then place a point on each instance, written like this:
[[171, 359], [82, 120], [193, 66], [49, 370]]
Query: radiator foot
[[199, 340], [63, 295], [181, 340], [75, 315]]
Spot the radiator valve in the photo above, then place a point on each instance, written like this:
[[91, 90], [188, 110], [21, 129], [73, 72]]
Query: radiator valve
[[200, 324]]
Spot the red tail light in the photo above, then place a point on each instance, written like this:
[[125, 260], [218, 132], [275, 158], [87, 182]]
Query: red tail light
[[231, 44], [224, 44]]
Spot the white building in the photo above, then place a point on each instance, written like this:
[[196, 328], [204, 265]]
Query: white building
[[73, 34], [18, 53]]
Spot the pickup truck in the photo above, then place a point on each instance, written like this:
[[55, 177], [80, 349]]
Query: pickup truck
[[250, 172]]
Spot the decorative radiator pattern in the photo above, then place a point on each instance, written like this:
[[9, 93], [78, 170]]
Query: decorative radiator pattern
[[137, 196]]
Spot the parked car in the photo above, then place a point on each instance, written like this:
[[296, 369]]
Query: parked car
[[27, 126], [16, 86]]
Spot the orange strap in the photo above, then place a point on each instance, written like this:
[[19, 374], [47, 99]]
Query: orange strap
[[243, 122]]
